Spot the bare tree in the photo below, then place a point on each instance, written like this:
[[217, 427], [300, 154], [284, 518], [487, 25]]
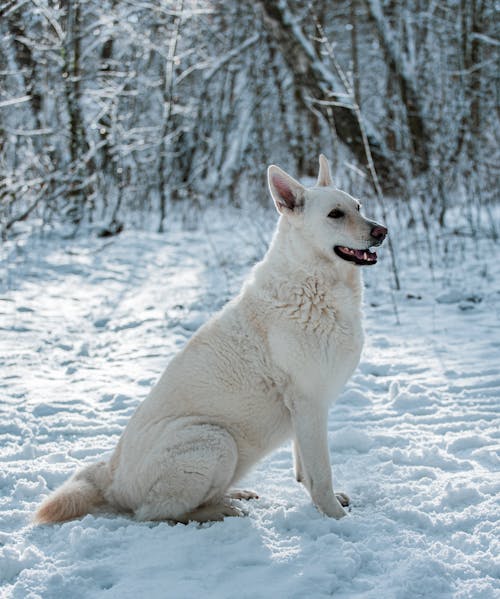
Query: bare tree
[[400, 74], [317, 85], [168, 76], [79, 168]]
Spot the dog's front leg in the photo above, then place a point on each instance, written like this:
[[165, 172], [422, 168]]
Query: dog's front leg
[[297, 463], [311, 449]]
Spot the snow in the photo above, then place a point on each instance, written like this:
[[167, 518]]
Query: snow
[[86, 327]]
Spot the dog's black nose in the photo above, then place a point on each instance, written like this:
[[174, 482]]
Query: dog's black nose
[[379, 232]]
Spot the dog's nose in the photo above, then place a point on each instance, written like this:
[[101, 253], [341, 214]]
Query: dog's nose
[[379, 232]]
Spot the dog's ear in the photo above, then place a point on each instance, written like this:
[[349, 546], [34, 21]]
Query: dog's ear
[[288, 194], [324, 177]]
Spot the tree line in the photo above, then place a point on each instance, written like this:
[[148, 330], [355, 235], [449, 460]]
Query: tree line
[[119, 107]]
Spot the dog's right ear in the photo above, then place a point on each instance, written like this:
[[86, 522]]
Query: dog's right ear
[[324, 177], [288, 194]]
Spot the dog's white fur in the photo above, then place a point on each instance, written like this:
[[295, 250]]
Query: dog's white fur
[[263, 370]]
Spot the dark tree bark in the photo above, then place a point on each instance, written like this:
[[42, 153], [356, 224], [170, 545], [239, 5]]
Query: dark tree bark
[[27, 66], [313, 79], [472, 25], [168, 76], [407, 91], [354, 51], [79, 188]]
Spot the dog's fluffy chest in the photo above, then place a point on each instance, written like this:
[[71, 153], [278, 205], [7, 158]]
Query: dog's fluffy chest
[[325, 311], [316, 332]]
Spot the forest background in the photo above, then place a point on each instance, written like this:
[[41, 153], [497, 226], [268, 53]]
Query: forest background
[[118, 111]]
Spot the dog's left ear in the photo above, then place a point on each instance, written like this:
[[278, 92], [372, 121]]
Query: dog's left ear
[[288, 194], [324, 177]]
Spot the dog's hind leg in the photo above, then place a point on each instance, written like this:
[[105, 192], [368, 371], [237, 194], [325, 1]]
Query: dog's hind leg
[[193, 470]]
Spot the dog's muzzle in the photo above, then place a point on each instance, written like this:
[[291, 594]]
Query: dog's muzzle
[[363, 257]]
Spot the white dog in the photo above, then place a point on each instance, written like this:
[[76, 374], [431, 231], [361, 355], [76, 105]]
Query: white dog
[[263, 370]]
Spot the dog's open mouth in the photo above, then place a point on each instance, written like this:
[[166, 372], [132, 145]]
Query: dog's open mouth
[[361, 257]]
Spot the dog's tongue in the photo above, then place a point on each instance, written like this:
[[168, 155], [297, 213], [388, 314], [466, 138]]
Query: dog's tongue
[[362, 255]]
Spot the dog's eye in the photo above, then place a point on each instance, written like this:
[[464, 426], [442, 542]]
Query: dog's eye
[[358, 207], [336, 213]]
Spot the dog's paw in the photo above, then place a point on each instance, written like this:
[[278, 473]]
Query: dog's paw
[[212, 513], [229, 511], [343, 499], [240, 494]]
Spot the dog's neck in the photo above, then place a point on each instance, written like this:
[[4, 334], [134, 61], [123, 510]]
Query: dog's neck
[[293, 259]]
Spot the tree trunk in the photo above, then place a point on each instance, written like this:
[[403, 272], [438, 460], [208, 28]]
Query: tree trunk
[[477, 25], [27, 66], [78, 176], [314, 80], [406, 86], [168, 99], [354, 52]]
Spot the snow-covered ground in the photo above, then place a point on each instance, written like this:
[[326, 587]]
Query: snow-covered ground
[[86, 327]]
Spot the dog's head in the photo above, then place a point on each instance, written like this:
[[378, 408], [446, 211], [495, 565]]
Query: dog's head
[[329, 219]]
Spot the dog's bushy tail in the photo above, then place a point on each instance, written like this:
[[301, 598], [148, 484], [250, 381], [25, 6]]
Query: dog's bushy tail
[[80, 495]]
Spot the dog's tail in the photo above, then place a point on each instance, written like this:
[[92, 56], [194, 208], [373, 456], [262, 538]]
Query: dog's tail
[[80, 495]]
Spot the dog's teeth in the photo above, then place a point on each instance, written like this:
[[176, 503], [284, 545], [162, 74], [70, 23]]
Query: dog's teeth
[[365, 256]]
